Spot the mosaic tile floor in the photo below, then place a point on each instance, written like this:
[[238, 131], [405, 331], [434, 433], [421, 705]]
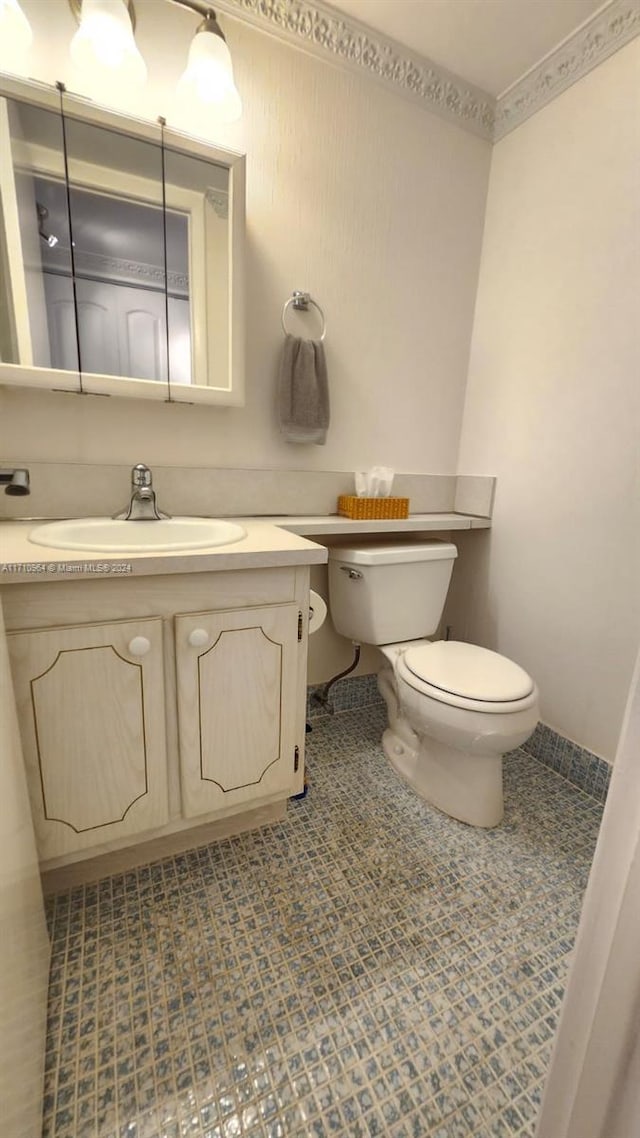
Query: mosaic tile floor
[[369, 967]]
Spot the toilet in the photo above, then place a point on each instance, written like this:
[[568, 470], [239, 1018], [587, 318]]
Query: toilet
[[454, 708]]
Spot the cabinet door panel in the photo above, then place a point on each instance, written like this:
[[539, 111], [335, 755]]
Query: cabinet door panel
[[92, 722], [236, 706]]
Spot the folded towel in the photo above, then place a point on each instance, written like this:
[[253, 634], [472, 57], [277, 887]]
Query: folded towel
[[303, 391]]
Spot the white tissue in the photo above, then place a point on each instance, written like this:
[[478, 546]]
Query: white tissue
[[374, 483], [360, 479]]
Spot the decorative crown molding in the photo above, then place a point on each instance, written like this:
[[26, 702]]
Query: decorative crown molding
[[116, 270], [321, 30], [128, 271], [607, 31], [219, 199]]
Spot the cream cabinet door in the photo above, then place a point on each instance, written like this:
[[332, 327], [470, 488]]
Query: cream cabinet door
[[237, 684], [91, 711]]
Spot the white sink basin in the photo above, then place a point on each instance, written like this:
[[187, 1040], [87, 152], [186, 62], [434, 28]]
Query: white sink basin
[[110, 535]]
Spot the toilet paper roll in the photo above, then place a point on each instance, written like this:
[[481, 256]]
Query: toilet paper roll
[[317, 611]]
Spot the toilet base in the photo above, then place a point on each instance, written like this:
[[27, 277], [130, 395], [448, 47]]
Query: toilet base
[[466, 787]]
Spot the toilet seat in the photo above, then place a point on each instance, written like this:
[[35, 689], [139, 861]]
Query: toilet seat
[[466, 676]]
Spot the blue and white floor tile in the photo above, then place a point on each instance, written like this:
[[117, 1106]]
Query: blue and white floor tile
[[368, 967]]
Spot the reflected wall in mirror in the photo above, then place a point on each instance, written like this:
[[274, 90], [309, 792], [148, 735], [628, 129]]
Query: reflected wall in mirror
[[26, 231], [121, 249]]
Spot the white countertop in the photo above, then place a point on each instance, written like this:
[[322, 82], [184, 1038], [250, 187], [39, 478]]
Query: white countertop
[[415, 523], [266, 546], [270, 542]]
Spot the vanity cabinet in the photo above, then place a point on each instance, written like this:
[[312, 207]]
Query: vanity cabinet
[[90, 705], [189, 710]]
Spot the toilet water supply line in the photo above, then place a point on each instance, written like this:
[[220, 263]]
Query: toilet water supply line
[[322, 697]]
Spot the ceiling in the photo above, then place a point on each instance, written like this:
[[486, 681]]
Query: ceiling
[[490, 43]]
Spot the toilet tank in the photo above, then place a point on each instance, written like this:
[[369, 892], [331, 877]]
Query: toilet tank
[[384, 592]]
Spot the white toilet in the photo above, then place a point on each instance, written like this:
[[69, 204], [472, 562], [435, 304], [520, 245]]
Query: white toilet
[[454, 708]]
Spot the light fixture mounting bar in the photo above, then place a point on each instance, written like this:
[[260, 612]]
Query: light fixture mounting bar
[[200, 9]]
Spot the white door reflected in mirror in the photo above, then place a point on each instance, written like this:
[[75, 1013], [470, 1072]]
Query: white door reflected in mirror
[[124, 247]]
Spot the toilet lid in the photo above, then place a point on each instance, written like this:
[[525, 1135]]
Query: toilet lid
[[468, 671]]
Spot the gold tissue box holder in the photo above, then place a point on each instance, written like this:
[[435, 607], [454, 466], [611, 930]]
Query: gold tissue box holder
[[365, 509]]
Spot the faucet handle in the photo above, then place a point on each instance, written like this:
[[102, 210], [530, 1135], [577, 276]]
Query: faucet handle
[[15, 482], [141, 475]]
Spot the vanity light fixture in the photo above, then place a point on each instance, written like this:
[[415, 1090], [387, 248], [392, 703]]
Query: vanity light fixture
[[15, 30], [104, 44], [207, 85]]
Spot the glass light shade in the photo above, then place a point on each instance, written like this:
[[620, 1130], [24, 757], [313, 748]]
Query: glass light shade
[[15, 30], [104, 45], [207, 84]]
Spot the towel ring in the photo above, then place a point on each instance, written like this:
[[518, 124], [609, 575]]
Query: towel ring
[[301, 301]]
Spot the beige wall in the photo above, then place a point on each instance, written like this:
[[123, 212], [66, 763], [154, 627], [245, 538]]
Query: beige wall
[[364, 198], [553, 407]]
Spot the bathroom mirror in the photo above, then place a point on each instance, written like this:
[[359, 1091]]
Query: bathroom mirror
[[121, 254]]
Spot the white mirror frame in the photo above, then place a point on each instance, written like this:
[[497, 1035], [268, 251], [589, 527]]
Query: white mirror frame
[[230, 393]]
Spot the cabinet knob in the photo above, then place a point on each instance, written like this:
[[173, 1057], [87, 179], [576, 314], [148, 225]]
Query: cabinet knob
[[139, 646], [199, 637]]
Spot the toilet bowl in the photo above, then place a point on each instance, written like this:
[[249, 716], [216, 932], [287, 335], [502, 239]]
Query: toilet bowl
[[448, 744], [454, 708]]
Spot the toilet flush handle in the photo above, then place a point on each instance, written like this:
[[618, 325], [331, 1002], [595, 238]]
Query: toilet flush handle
[[354, 574]]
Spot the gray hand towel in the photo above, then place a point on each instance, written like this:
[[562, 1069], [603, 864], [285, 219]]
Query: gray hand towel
[[303, 391]]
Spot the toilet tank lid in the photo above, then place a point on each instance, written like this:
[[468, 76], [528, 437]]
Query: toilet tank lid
[[393, 552]]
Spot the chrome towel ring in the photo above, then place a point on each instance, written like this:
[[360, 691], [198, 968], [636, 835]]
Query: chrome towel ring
[[301, 301]]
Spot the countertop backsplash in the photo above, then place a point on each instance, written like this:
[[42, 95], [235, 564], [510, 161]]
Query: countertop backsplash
[[87, 489]]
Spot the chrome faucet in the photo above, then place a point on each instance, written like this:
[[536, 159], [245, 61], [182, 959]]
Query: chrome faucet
[[142, 504], [15, 482]]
